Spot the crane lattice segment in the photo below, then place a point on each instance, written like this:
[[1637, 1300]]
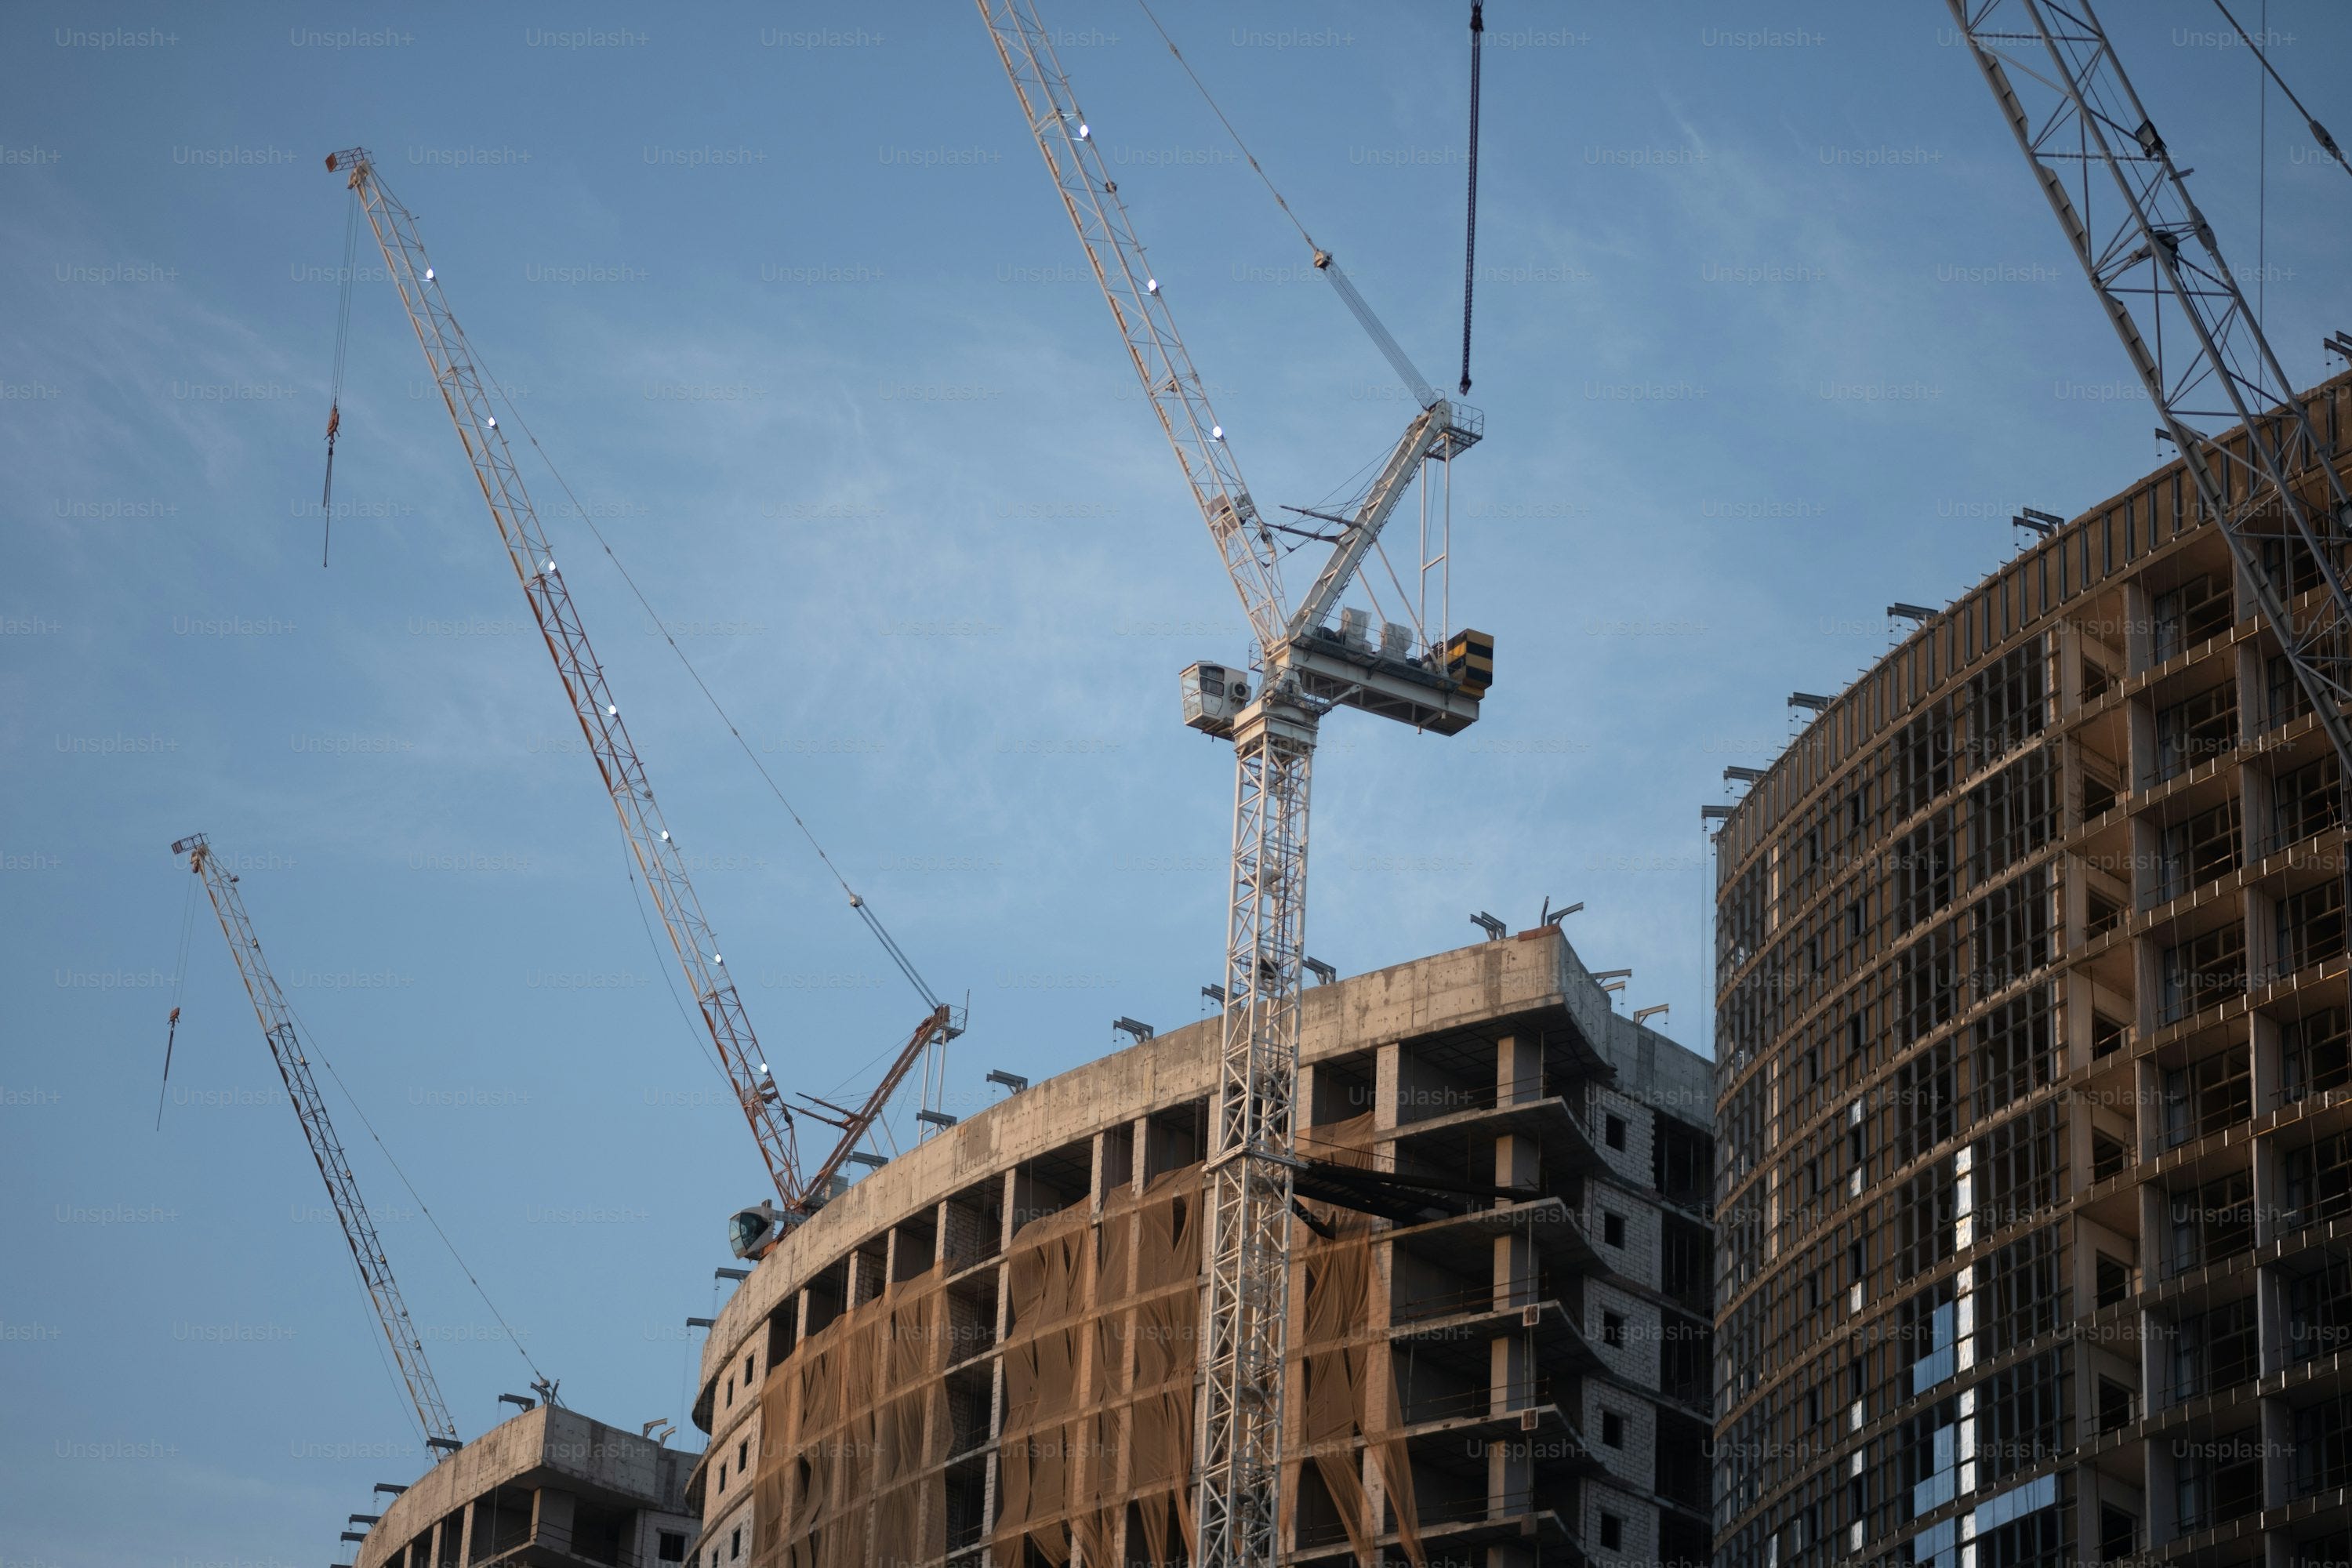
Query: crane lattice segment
[[278, 1028], [1441, 431], [1140, 307], [451, 360], [2154, 262], [1239, 1440], [935, 1030]]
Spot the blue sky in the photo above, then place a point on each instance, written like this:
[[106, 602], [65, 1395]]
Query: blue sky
[[1772, 329]]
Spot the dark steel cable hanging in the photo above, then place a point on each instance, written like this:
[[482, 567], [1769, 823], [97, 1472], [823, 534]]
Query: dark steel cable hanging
[[335, 397], [1470, 244]]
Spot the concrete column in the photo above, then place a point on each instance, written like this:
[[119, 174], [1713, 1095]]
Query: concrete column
[[2270, 1190], [550, 1518], [1381, 1412], [1514, 1280], [1380, 1409], [2153, 1373], [2139, 732], [2268, 1082], [2271, 1319], [1510, 1459], [2139, 615], [2255, 805], [2260, 911], [2149, 872], [2278, 1453], [1519, 1070], [1387, 1063], [2147, 985], [1010, 1190], [2066, 649], [2148, 1102], [2087, 1497]]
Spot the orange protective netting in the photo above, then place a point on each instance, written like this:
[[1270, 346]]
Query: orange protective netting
[[1100, 1356], [1098, 1368], [853, 1430], [1345, 1377]]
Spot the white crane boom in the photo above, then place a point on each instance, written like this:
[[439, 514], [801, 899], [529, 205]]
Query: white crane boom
[[455, 372], [286, 1049]]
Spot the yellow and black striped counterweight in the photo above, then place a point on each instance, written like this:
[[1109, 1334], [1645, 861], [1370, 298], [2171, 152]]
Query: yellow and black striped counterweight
[[1470, 661]]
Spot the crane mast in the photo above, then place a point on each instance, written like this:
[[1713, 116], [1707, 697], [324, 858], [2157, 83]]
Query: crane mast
[[1303, 673], [451, 359], [2153, 255], [334, 1168]]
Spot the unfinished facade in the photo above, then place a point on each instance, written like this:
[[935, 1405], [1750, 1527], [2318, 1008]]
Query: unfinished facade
[[984, 1353], [2036, 1121], [549, 1486]]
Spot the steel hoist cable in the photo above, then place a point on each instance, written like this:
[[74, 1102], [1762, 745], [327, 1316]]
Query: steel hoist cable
[[2311, 121], [856, 902], [179, 987], [335, 395], [1470, 243], [1324, 262]]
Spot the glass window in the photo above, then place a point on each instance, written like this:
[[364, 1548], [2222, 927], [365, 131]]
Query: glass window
[[2198, 609], [2196, 730], [2303, 803]]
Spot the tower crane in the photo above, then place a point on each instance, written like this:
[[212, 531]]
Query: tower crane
[[457, 374], [293, 1062], [2153, 260], [1303, 670]]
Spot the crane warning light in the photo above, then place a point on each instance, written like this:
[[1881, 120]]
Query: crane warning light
[[1216, 432], [1083, 132], [1151, 285], [428, 275], [491, 420]]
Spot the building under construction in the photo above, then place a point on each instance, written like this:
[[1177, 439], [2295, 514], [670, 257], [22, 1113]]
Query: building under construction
[[1498, 1348], [2036, 1108], [547, 1486]]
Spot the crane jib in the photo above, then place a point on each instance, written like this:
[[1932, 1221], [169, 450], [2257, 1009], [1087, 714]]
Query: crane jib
[[293, 1063], [455, 368]]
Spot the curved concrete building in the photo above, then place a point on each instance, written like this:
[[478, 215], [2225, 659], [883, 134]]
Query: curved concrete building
[[2036, 1121], [983, 1351]]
